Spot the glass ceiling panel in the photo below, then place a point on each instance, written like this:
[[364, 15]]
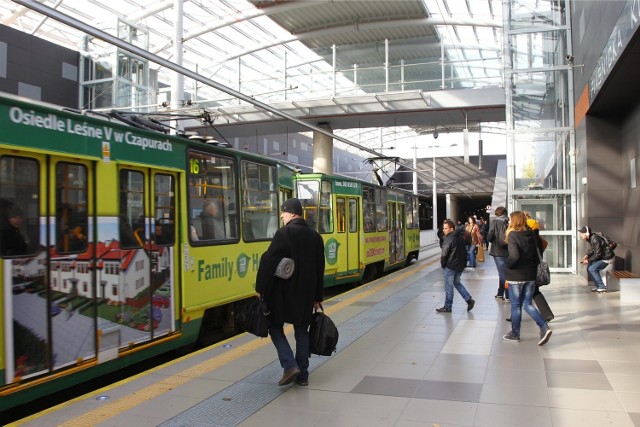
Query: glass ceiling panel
[[476, 45], [232, 42]]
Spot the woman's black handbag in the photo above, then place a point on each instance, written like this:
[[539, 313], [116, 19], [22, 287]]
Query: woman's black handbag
[[543, 275], [252, 318], [323, 334]]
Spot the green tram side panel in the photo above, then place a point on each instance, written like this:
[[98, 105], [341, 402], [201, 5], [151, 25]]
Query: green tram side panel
[[345, 187], [43, 127], [373, 246]]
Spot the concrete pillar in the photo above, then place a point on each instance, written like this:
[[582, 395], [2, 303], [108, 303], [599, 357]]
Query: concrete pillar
[[323, 151]]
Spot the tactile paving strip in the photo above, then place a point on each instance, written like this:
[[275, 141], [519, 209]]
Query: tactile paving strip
[[236, 403]]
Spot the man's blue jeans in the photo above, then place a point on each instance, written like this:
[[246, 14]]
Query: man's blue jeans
[[451, 279], [593, 270], [521, 296], [500, 263], [285, 354]]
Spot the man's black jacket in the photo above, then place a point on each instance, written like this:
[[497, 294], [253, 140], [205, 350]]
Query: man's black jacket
[[454, 252]]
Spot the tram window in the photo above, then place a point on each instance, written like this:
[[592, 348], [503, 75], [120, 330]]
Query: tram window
[[413, 211], [71, 212], [381, 210], [308, 195], [259, 201], [341, 214], [19, 202], [165, 199], [132, 214], [408, 202], [325, 223], [353, 215], [369, 207], [212, 198]]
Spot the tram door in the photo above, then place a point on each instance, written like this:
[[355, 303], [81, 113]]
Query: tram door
[[24, 248], [71, 256], [48, 263], [163, 253], [396, 215], [139, 286], [347, 234], [353, 233]]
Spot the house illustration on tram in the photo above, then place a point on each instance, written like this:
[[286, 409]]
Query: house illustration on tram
[[121, 274]]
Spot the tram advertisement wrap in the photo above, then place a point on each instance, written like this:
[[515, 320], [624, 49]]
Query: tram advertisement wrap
[[85, 137]]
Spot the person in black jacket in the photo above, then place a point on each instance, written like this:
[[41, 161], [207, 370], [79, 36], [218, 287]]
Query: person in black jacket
[[597, 258], [13, 241], [499, 250], [520, 271], [292, 300], [453, 260]]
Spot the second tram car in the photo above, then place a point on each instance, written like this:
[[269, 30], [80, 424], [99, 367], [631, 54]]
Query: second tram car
[[367, 229]]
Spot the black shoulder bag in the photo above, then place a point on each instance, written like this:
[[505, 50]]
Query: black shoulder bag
[[253, 318], [323, 334], [543, 275]]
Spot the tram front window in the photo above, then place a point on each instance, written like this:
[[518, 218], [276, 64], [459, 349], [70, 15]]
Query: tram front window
[[308, 192]]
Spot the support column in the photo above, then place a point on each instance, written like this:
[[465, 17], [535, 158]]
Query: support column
[[323, 151], [435, 196], [177, 81]]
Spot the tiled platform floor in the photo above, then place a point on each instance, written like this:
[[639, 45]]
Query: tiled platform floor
[[422, 368]]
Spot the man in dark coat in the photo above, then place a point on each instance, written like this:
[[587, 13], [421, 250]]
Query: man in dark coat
[[499, 248], [292, 300], [453, 260]]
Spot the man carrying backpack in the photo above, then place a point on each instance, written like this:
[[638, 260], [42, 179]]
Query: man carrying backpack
[[598, 257]]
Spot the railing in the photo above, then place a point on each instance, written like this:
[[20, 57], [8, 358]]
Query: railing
[[321, 80]]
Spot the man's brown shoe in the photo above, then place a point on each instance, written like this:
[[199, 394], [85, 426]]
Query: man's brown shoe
[[289, 376]]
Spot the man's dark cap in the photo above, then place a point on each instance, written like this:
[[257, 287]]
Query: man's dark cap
[[584, 229], [14, 211], [292, 206]]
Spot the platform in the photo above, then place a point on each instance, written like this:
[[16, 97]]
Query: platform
[[399, 363]]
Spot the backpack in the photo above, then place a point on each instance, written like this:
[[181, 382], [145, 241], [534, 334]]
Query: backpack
[[609, 247], [501, 233], [612, 245], [323, 334]]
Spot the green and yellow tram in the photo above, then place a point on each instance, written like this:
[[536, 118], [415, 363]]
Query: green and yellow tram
[[367, 229]]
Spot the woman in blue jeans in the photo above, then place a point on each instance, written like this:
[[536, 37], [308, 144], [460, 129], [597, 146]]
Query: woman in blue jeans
[[520, 271], [473, 231]]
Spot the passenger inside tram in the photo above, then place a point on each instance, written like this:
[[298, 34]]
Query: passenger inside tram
[[211, 225], [13, 240]]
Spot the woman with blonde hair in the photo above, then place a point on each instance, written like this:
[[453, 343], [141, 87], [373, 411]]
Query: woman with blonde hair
[[520, 271]]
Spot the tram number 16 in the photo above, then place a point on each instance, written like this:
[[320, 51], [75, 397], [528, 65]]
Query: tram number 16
[[194, 166]]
